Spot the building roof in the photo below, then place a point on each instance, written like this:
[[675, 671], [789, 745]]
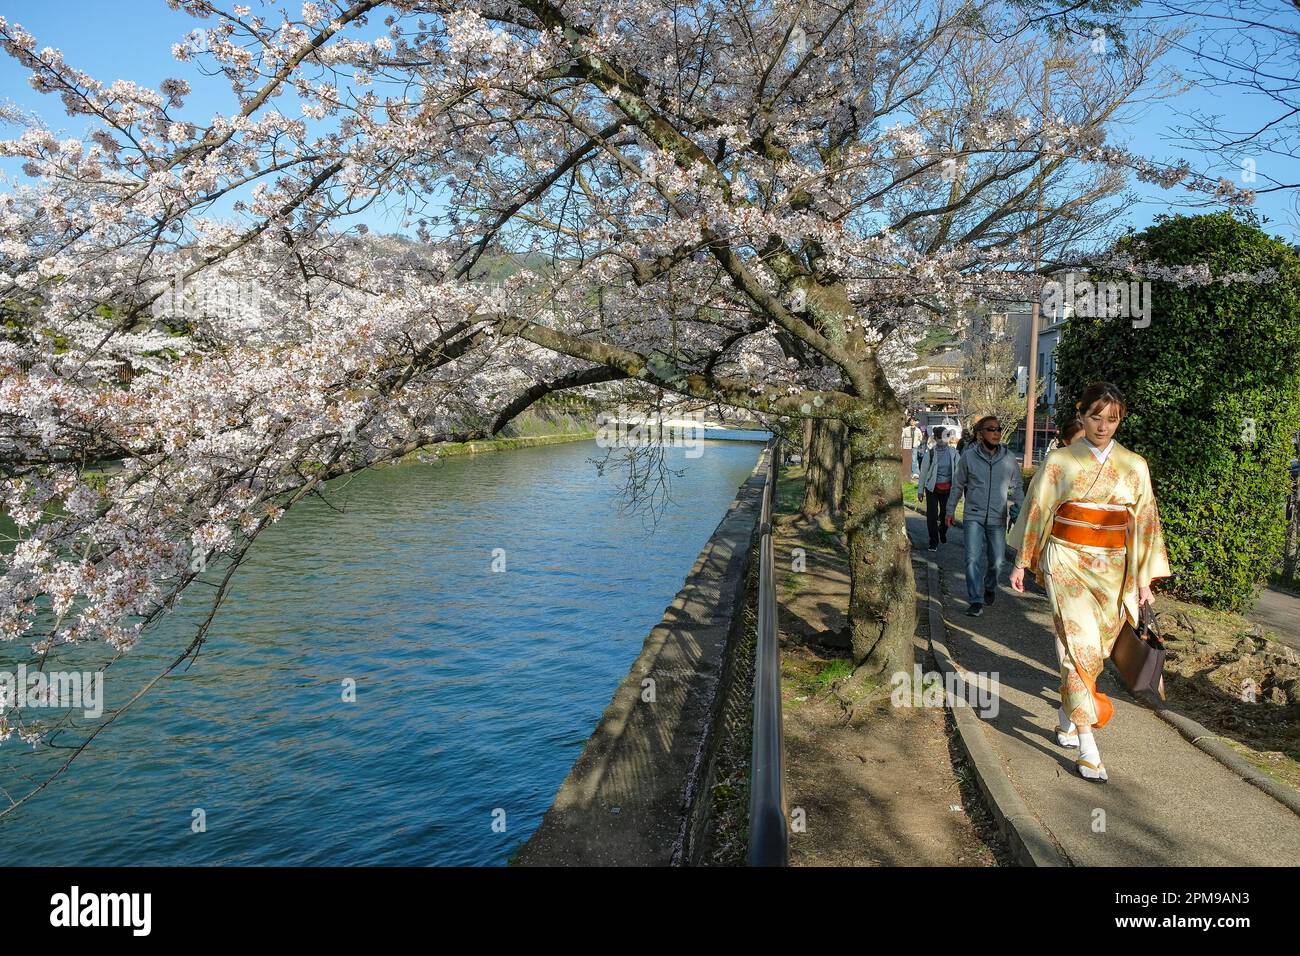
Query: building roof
[[952, 358]]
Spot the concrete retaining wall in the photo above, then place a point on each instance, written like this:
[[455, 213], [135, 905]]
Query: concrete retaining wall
[[637, 795]]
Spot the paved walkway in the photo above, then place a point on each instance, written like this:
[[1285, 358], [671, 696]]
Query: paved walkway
[[1279, 610], [1167, 803]]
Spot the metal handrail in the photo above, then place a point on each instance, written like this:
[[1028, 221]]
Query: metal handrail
[[769, 834]]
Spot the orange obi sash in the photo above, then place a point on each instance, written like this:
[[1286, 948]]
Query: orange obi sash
[[1080, 523]]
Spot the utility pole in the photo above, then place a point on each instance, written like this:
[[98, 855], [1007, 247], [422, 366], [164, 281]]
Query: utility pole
[[1031, 382]]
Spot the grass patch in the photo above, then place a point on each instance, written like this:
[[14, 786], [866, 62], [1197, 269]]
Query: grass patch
[[807, 673], [835, 670], [909, 494], [789, 489], [456, 449]]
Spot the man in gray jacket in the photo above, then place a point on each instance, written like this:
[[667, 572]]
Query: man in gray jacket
[[987, 475]]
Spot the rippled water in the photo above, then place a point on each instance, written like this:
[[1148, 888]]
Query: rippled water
[[475, 689]]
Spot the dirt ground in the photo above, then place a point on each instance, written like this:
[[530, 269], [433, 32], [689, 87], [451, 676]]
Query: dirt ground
[[877, 785], [1223, 673]]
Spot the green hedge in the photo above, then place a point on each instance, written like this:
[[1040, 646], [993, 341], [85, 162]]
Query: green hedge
[[1213, 358]]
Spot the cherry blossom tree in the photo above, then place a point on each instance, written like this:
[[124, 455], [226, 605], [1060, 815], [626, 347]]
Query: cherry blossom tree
[[758, 206]]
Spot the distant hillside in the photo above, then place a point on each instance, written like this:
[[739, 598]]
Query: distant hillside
[[492, 267]]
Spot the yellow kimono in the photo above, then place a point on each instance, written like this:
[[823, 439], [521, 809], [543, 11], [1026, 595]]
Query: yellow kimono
[[1092, 588]]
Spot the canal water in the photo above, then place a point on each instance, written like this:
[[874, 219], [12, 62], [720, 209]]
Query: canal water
[[475, 688]]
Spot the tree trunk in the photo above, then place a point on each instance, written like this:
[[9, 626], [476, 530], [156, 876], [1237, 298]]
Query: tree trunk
[[882, 592], [844, 469], [825, 469]]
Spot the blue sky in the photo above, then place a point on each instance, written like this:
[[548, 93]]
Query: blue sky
[[132, 39], [129, 40]]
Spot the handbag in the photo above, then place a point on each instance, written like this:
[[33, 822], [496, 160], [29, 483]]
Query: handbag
[[1139, 655]]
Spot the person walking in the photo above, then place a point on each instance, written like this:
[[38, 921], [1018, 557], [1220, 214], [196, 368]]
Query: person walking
[[988, 475], [926, 445], [938, 468], [914, 440], [1064, 435], [1091, 535]]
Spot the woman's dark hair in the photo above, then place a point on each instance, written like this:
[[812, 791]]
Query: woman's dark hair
[[1069, 431], [1103, 392], [975, 429], [937, 434]]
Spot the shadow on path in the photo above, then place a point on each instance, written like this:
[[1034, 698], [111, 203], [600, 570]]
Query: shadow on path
[[1166, 804]]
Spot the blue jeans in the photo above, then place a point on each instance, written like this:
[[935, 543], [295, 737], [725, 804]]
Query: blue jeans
[[916, 459], [986, 556]]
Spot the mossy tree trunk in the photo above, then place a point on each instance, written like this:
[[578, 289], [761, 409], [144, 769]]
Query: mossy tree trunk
[[865, 445], [882, 596], [826, 469]]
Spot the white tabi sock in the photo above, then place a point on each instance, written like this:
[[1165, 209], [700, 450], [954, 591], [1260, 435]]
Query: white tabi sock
[[1066, 723], [1088, 748]]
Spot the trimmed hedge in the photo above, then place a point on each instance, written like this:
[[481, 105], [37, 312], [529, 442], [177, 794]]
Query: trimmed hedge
[[1214, 359]]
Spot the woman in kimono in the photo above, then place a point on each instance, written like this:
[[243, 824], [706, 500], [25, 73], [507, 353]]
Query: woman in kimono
[[1090, 532]]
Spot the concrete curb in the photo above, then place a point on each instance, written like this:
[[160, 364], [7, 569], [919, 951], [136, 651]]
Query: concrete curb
[[1213, 744], [1030, 842]]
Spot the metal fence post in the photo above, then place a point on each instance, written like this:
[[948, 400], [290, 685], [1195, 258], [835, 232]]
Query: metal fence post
[[769, 834]]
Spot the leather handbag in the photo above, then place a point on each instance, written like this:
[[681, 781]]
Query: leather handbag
[[1139, 655]]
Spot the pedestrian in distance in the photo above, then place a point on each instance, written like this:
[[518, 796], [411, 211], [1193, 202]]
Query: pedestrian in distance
[[989, 478], [1064, 435], [937, 472], [914, 440]]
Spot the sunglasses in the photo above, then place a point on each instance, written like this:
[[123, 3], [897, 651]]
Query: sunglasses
[[992, 428]]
